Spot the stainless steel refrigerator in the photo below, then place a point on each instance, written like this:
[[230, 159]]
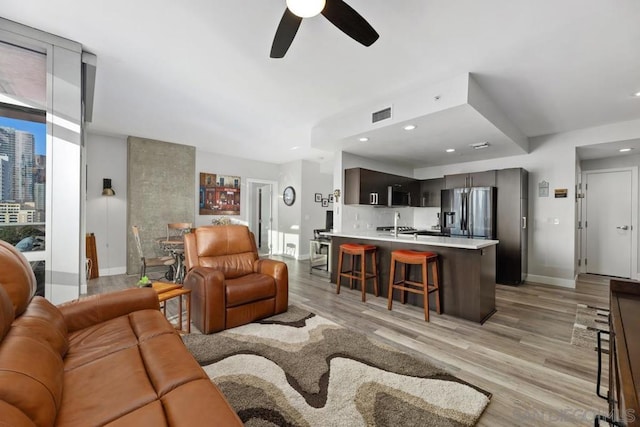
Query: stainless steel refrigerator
[[469, 212]]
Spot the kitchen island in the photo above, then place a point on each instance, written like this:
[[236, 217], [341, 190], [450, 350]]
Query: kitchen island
[[467, 269]]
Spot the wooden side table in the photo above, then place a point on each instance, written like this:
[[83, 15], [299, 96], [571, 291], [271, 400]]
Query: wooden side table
[[167, 291], [178, 293], [161, 287]]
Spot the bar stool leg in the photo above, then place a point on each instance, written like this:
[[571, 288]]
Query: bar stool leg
[[375, 272], [425, 280], [436, 284], [351, 257], [339, 278], [392, 274], [363, 276], [403, 293]]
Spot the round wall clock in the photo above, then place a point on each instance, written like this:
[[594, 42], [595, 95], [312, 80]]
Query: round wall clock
[[289, 196]]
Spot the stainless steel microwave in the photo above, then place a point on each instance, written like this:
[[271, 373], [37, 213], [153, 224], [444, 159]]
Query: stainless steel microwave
[[398, 197]]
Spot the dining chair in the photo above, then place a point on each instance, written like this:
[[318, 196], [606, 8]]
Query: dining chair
[[145, 262], [177, 229]]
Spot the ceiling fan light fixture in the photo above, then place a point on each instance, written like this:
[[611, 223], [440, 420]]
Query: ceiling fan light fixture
[[306, 8]]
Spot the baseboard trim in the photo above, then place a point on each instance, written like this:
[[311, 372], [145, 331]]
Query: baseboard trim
[[112, 271], [547, 280]]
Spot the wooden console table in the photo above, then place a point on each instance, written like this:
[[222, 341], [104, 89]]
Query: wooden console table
[[624, 355], [92, 256]]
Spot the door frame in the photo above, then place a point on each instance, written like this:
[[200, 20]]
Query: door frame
[[634, 216], [252, 208]]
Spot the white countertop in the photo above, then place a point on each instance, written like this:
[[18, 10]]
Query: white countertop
[[449, 242]]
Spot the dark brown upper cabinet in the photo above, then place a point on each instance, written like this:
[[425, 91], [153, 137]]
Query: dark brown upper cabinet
[[475, 179], [430, 190]]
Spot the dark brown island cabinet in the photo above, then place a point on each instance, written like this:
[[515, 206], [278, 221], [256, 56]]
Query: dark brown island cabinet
[[467, 276]]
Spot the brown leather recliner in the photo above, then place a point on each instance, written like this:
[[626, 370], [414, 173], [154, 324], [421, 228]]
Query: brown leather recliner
[[230, 286], [110, 360]]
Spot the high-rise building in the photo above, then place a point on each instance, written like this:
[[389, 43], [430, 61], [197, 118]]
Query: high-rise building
[[23, 167], [7, 155], [17, 165]]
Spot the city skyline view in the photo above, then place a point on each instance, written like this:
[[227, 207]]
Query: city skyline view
[[38, 130]]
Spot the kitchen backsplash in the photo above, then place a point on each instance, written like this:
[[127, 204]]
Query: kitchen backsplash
[[368, 218]]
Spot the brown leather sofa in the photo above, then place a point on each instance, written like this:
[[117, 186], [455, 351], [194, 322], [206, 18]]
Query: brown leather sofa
[[110, 359], [229, 285]]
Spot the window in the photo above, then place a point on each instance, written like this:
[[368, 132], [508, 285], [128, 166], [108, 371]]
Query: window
[[23, 152]]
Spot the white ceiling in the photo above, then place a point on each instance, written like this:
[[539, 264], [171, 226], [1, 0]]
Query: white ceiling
[[199, 72]]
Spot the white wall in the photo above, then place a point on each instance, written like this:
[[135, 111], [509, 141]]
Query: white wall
[[552, 228], [313, 215], [106, 217], [290, 217], [209, 162]]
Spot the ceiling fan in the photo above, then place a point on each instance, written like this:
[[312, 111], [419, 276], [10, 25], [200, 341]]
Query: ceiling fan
[[337, 12]]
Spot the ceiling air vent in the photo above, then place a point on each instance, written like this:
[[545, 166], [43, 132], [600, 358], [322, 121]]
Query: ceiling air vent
[[480, 145], [383, 114]]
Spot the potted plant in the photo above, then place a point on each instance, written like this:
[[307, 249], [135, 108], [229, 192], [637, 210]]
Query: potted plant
[[144, 282]]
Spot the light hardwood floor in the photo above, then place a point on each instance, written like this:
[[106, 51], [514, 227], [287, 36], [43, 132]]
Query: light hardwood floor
[[522, 354]]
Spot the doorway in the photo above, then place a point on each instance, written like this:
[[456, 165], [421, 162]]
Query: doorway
[[610, 222], [261, 216]]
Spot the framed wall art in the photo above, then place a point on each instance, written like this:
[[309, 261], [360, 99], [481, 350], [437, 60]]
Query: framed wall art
[[219, 194]]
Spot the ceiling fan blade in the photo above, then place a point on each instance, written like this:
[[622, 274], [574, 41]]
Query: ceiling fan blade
[[350, 22], [285, 33]]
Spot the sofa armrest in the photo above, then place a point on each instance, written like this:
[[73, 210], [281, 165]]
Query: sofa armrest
[[14, 417], [95, 309], [208, 299], [278, 270]]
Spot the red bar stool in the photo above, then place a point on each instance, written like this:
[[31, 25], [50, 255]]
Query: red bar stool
[[358, 250], [422, 259]]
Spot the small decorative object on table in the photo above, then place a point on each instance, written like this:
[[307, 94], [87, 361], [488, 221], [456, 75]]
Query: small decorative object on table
[[144, 282], [224, 220]]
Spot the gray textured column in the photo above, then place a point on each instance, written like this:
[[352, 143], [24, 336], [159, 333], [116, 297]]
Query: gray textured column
[[160, 186]]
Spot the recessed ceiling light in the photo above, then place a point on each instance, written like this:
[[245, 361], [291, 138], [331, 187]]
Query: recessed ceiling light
[[363, 139], [409, 127], [624, 150], [295, 147], [637, 94], [450, 150]]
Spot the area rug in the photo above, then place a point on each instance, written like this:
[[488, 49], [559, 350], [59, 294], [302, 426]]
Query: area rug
[[590, 320], [300, 369]]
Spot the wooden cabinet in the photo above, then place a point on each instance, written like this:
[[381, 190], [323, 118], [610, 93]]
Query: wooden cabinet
[[365, 187], [475, 179], [430, 189], [624, 354], [512, 225], [369, 187]]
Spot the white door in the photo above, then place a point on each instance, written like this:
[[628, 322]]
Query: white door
[[609, 222]]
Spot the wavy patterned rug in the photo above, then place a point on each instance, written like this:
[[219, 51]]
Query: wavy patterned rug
[[299, 369]]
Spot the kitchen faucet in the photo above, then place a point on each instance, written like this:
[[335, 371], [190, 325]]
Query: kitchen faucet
[[396, 217]]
